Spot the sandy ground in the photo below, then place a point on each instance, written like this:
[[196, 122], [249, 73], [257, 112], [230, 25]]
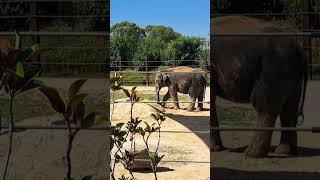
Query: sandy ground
[[190, 149]]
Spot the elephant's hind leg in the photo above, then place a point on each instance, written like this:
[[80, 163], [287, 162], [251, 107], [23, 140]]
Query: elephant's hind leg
[[260, 143], [192, 104], [288, 118], [200, 104]]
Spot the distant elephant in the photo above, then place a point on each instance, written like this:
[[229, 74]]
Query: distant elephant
[[270, 72], [184, 80]]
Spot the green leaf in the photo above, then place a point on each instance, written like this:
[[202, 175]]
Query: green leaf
[[20, 70], [119, 126], [75, 87], [89, 120], [126, 92], [54, 98], [78, 113], [12, 81], [158, 159], [73, 104], [147, 128]]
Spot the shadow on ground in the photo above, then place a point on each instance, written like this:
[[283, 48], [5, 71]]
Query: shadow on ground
[[194, 123], [202, 123], [219, 173], [302, 152]]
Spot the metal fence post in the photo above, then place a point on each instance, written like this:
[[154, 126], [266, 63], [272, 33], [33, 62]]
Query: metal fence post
[[307, 39], [34, 26], [174, 63], [120, 63]]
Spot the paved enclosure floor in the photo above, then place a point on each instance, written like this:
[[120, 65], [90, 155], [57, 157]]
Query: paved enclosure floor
[[230, 165]]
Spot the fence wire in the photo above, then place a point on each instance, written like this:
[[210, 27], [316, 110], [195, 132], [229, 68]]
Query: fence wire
[[245, 129]]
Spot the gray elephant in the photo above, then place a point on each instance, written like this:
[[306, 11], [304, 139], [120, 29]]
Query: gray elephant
[[184, 80], [270, 72]]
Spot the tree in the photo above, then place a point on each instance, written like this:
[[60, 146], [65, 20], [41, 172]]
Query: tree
[[154, 46], [186, 50], [125, 38]]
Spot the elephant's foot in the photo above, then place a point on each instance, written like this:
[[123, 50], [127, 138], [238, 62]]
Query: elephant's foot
[[285, 149], [176, 108], [217, 148], [259, 146], [190, 108], [254, 152], [239, 149]]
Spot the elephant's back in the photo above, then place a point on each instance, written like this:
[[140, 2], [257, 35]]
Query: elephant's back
[[243, 24]]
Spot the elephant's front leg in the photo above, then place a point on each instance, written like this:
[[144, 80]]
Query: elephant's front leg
[[174, 96], [260, 144], [165, 98], [215, 138]]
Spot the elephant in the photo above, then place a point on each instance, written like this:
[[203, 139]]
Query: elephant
[[267, 71], [184, 80]]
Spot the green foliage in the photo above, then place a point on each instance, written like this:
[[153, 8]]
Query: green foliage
[[119, 134], [75, 108], [293, 6], [125, 38], [186, 48], [90, 8], [157, 44], [123, 177], [54, 97]]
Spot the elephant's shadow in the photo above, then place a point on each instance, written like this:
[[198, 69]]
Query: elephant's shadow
[[202, 123], [194, 123], [222, 173]]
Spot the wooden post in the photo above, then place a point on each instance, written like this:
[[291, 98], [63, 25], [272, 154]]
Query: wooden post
[[307, 39], [35, 28], [146, 69]]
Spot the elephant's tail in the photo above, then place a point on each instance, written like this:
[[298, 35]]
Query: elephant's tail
[[304, 79]]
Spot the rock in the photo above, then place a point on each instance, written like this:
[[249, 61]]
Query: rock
[[141, 155]]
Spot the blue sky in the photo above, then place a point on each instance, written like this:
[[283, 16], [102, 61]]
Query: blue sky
[[188, 17]]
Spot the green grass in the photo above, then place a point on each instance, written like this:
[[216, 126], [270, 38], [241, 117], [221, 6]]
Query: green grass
[[34, 104]]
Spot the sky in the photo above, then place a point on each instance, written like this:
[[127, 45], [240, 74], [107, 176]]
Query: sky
[[188, 17]]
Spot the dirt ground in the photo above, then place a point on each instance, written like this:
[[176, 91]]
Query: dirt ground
[[189, 148], [38, 154]]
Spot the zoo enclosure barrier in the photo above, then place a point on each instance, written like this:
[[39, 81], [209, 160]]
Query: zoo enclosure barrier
[[69, 51]]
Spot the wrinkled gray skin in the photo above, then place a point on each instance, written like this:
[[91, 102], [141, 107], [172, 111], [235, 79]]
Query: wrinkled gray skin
[[184, 80], [269, 72]]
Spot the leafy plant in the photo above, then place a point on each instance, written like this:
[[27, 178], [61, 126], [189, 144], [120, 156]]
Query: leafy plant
[[16, 78], [119, 136], [73, 111]]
